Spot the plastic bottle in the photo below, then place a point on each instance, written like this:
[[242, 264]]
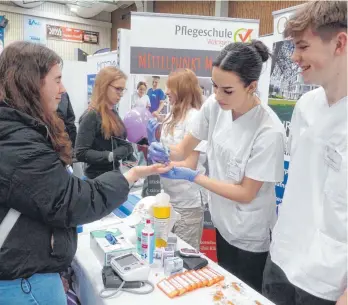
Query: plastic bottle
[[139, 228], [161, 215], [148, 242], [79, 229]]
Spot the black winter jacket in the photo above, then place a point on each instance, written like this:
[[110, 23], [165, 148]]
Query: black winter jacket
[[66, 113], [52, 202], [93, 149]]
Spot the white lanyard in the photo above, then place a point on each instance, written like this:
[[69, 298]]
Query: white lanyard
[[11, 218]]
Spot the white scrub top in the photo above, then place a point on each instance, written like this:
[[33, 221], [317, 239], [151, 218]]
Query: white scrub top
[[138, 101], [310, 237], [251, 146], [184, 194]]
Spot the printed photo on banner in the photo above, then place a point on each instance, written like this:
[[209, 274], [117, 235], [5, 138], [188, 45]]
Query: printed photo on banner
[[286, 85]]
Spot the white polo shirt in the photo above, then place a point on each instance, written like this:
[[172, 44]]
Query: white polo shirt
[[310, 237], [184, 194], [138, 101], [251, 146]]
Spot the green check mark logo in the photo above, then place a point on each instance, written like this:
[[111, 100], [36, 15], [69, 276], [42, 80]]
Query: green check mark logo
[[243, 35]]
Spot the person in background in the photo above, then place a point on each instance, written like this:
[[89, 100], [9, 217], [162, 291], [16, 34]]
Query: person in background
[[100, 123], [308, 256], [140, 98], [246, 159], [157, 97], [185, 98], [41, 202], [66, 113], [204, 98]]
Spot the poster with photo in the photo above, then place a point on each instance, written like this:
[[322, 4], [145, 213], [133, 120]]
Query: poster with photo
[[286, 84]]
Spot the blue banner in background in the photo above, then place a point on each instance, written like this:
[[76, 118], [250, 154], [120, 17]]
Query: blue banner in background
[[280, 187], [90, 85], [2, 38]]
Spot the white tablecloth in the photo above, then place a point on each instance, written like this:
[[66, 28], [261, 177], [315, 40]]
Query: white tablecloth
[[88, 281]]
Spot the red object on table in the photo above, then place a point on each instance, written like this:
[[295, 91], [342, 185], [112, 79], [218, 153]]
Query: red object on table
[[208, 243]]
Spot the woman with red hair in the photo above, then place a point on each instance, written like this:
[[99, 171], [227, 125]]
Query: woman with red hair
[[95, 142], [185, 97]]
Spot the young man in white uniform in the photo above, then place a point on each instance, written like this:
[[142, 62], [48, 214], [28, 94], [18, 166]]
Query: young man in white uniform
[[245, 155], [308, 257]]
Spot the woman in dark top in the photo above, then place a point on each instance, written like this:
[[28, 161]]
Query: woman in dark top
[[96, 144], [41, 203]]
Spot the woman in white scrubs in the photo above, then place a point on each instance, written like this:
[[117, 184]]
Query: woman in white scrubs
[[140, 98], [184, 94], [245, 155]]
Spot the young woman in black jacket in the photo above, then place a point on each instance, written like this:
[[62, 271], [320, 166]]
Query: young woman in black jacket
[[99, 139], [34, 181]]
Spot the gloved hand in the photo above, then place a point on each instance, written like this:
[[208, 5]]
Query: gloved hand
[[158, 153], [181, 173], [151, 130]]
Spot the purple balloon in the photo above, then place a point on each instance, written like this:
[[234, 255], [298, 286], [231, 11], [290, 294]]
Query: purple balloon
[[136, 123]]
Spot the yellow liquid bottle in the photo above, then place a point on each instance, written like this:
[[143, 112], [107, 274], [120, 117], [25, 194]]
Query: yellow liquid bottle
[[161, 216]]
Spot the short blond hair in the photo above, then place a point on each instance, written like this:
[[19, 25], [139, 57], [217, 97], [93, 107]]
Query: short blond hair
[[325, 18]]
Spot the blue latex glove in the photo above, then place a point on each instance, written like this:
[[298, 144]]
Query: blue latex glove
[[158, 153], [181, 173], [151, 130]]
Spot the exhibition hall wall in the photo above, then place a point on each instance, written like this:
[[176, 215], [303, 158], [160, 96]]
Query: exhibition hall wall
[[30, 25]]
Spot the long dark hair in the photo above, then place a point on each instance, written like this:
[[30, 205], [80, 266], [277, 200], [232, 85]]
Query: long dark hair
[[23, 66]]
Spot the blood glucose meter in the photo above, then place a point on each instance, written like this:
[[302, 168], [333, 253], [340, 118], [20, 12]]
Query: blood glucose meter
[[130, 267]]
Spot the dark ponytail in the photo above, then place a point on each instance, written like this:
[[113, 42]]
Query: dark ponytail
[[244, 59]]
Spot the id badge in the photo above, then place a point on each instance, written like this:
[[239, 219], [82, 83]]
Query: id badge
[[332, 158], [234, 170]]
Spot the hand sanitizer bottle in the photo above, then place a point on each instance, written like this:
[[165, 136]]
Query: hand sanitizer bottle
[[148, 242]]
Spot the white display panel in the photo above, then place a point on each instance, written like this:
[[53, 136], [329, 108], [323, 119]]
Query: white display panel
[[74, 80]]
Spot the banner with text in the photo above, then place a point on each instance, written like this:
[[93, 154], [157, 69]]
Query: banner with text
[[73, 35], [94, 64], [286, 83], [34, 29], [189, 32], [161, 61]]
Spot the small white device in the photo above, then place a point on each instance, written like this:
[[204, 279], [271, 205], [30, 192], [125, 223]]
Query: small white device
[[130, 267], [190, 252]]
